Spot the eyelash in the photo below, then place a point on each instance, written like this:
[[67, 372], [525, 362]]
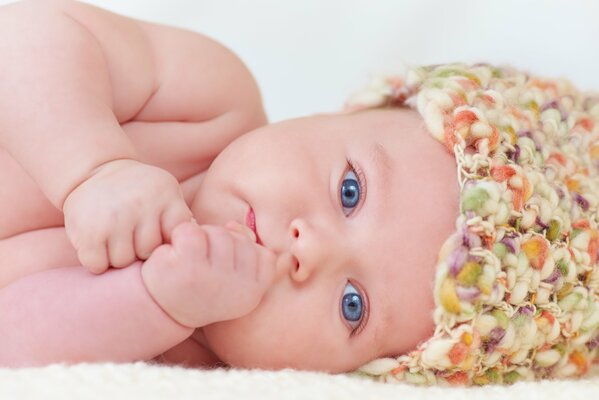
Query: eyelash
[[363, 190], [361, 181], [364, 319]]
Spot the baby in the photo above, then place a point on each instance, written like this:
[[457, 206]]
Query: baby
[[317, 240], [109, 126]]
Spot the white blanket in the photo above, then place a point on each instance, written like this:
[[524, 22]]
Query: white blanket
[[143, 381]]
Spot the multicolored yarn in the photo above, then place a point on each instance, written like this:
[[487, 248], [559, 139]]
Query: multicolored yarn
[[516, 288]]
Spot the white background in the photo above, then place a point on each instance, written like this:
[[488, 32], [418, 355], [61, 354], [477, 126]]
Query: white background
[[309, 55]]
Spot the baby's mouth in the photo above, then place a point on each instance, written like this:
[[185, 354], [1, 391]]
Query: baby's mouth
[[250, 222]]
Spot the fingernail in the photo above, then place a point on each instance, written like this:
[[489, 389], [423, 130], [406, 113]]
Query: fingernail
[[241, 229]]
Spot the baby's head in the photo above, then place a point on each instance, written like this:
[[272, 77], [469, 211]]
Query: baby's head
[[358, 205], [473, 275]]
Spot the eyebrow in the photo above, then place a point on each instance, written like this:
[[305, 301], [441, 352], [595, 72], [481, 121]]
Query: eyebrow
[[383, 324], [382, 168], [382, 162]]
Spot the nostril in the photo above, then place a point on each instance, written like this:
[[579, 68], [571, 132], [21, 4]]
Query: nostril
[[297, 265], [295, 232]]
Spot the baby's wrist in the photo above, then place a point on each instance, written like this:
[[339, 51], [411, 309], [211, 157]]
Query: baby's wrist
[[104, 167], [167, 298], [156, 293]]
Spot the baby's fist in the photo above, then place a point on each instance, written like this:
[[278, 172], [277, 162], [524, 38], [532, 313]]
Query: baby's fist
[[208, 274], [122, 212]]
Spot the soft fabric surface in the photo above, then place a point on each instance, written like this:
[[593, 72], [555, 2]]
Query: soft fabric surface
[[143, 381]]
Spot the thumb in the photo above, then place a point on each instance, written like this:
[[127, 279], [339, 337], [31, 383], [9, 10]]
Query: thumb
[[173, 216], [234, 226]]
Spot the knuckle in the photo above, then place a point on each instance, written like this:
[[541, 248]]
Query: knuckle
[[96, 268], [121, 260], [217, 233], [164, 251], [188, 229], [131, 202], [143, 250]]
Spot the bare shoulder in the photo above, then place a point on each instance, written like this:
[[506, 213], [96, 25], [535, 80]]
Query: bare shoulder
[[187, 76], [86, 37], [157, 72], [180, 96], [200, 77]]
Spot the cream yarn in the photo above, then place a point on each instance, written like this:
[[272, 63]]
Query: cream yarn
[[516, 284]]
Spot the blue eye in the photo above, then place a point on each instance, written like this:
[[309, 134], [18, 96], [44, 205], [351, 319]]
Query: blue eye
[[352, 306], [351, 190]]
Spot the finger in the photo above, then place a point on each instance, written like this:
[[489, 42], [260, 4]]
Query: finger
[[173, 216], [221, 249], [191, 241], [94, 257], [235, 226], [147, 237], [121, 252], [246, 256], [267, 265]]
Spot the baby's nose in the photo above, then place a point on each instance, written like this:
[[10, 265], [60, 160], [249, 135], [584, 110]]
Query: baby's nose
[[287, 263], [311, 248]]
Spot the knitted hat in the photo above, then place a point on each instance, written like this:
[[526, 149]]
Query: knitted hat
[[516, 284]]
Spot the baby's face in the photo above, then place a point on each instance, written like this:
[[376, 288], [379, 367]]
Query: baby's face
[[358, 206]]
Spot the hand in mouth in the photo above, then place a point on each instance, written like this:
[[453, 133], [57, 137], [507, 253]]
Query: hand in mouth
[[250, 222]]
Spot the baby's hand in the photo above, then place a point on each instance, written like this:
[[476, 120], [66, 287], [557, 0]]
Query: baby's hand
[[208, 274], [123, 211]]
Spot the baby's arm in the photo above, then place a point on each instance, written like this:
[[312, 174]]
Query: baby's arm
[[207, 274], [70, 315], [61, 122], [58, 112], [72, 75]]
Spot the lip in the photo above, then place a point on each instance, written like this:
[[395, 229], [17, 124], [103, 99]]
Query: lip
[[250, 222]]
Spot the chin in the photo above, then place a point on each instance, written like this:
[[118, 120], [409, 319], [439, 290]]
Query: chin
[[243, 350], [250, 352], [223, 342]]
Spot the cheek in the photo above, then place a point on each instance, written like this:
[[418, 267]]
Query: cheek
[[266, 338], [282, 332], [235, 343], [260, 332]]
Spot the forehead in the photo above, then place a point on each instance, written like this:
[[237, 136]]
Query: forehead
[[412, 212], [406, 217]]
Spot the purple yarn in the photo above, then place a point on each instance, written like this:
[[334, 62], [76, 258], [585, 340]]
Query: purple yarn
[[550, 104], [555, 104], [555, 275], [495, 337], [526, 133], [541, 223], [515, 154], [510, 234], [471, 240], [467, 293], [526, 310], [533, 137], [457, 259], [510, 244], [469, 214], [593, 343], [584, 203]]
